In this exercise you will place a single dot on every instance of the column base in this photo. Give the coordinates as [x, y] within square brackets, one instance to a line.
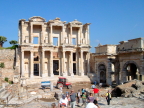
[71, 74]
[51, 75]
[81, 74]
[31, 76]
[64, 74]
[44, 75]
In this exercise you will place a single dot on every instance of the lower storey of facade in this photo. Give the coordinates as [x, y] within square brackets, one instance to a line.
[50, 63]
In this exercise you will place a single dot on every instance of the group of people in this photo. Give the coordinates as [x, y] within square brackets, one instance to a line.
[71, 99]
[89, 98]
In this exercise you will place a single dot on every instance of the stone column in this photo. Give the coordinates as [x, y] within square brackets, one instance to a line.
[51, 64]
[70, 39]
[51, 35]
[108, 72]
[31, 36]
[43, 65]
[77, 62]
[62, 36]
[22, 64]
[88, 40]
[42, 35]
[81, 65]
[71, 63]
[31, 64]
[81, 38]
[22, 30]
[88, 67]
[64, 66]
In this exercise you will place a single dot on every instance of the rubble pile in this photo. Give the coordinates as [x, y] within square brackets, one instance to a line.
[134, 88]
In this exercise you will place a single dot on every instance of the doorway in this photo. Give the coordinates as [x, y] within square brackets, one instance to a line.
[36, 69]
[74, 68]
[56, 67]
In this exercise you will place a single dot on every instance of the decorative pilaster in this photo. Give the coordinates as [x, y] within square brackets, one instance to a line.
[31, 64]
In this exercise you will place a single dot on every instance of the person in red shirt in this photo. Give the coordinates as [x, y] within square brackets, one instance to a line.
[96, 91]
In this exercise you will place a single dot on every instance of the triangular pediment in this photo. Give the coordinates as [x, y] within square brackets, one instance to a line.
[37, 19]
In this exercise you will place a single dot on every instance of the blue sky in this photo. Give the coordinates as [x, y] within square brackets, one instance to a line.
[111, 21]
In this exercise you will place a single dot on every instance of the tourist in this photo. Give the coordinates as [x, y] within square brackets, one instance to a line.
[93, 104]
[91, 98]
[72, 99]
[93, 86]
[95, 82]
[83, 90]
[96, 91]
[63, 102]
[78, 97]
[108, 97]
[100, 85]
[68, 98]
[53, 105]
[84, 99]
[56, 96]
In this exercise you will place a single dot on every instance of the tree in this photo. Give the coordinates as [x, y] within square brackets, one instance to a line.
[13, 42]
[2, 40]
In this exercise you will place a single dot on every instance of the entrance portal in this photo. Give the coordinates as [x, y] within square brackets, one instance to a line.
[56, 67]
[102, 70]
[132, 71]
[36, 69]
[74, 68]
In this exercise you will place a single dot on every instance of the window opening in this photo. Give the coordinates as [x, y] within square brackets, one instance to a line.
[35, 40]
[55, 41]
[74, 41]
[74, 56]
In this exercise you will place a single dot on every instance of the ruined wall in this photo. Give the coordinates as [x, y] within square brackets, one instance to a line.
[7, 56]
[92, 63]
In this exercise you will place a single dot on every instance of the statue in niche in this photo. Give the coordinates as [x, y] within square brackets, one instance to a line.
[66, 40]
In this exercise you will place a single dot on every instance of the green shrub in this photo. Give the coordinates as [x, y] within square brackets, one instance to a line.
[10, 82]
[6, 79]
[2, 65]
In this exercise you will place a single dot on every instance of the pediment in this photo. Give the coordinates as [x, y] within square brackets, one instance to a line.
[75, 22]
[37, 19]
[57, 21]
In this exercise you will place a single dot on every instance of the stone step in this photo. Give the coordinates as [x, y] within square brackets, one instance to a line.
[5, 97]
[1, 90]
[3, 93]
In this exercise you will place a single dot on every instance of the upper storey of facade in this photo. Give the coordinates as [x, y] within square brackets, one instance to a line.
[133, 45]
[105, 50]
[37, 32]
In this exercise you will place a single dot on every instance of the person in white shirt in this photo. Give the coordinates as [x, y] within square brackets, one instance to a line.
[93, 104]
[63, 102]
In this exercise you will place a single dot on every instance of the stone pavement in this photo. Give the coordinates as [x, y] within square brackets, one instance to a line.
[115, 103]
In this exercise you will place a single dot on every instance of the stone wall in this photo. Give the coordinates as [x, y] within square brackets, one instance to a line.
[7, 56]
